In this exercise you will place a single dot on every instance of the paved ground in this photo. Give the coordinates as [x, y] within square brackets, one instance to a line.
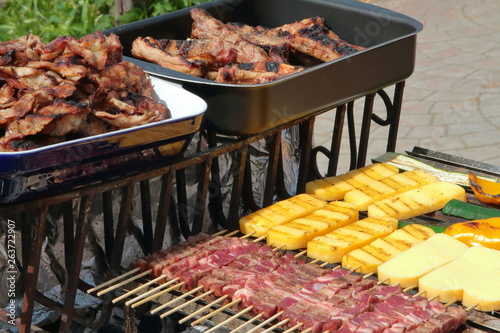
[452, 101]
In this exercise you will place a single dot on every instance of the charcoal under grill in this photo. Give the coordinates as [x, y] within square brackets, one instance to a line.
[158, 197]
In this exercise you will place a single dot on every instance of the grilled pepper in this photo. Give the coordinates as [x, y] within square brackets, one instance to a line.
[485, 190]
[484, 232]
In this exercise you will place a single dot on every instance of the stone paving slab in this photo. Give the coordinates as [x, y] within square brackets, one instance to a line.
[452, 100]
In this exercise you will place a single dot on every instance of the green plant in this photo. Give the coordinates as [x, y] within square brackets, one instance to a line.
[150, 8]
[52, 18]
[49, 19]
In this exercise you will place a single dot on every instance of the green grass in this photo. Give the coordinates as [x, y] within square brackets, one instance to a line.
[52, 18]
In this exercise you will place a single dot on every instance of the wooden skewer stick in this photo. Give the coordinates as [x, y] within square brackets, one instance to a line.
[410, 288]
[433, 298]
[472, 307]
[213, 313]
[135, 290]
[307, 330]
[218, 300]
[238, 329]
[247, 235]
[242, 312]
[291, 329]
[268, 320]
[163, 306]
[420, 293]
[278, 248]
[124, 282]
[450, 303]
[355, 269]
[324, 264]
[175, 286]
[279, 324]
[234, 232]
[177, 308]
[218, 233]
[151, 292]
[383, 281]
[314, 261]
[256, 240]
[300, 254]
[107, 283]
[366, 276]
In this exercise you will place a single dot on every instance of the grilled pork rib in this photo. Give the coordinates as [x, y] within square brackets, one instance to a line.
[206, 26]
[150, 49]
[252, 73]
[215, 48]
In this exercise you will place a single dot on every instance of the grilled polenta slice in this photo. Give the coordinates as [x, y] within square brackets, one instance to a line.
[295, 234]
[369, 257]
[446, 283]
[407, 267]
[260, 221]
[385, 187]
[334, 188]
[332, 246]
[418, 201]
[484, 293]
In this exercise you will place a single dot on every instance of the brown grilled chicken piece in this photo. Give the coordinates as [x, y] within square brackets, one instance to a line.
[67, 65]
[149, 49]
[49, 91]
[30, 101]
[66, 115]
[205, 26]
[7, 96]
[18, 52]
[252, 73]
[125, 76]
[134, 111]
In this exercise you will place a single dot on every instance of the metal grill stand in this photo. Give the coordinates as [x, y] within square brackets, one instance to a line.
[149, 209]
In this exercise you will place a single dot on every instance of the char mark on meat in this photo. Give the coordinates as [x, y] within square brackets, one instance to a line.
[205, 26]
[311, 36]
[213, 52]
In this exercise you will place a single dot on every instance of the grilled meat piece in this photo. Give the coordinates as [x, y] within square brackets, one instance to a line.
[70, 87]
[150, 49]
[18, 52]
[252, 73]
[214, 52]
[277, 47]
[205, 26]
[124, 76]
[135, 110]
[215, 48]
[7, 96]
[311, 36]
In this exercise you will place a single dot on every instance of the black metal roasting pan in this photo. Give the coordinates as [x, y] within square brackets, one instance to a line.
[389, 57]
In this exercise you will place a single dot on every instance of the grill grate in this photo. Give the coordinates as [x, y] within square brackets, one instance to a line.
[158, 197]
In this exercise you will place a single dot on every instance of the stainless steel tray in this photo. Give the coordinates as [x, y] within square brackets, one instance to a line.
[60, 166]
[389, 57]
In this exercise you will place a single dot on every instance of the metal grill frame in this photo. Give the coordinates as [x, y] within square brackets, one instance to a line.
[31, 216]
